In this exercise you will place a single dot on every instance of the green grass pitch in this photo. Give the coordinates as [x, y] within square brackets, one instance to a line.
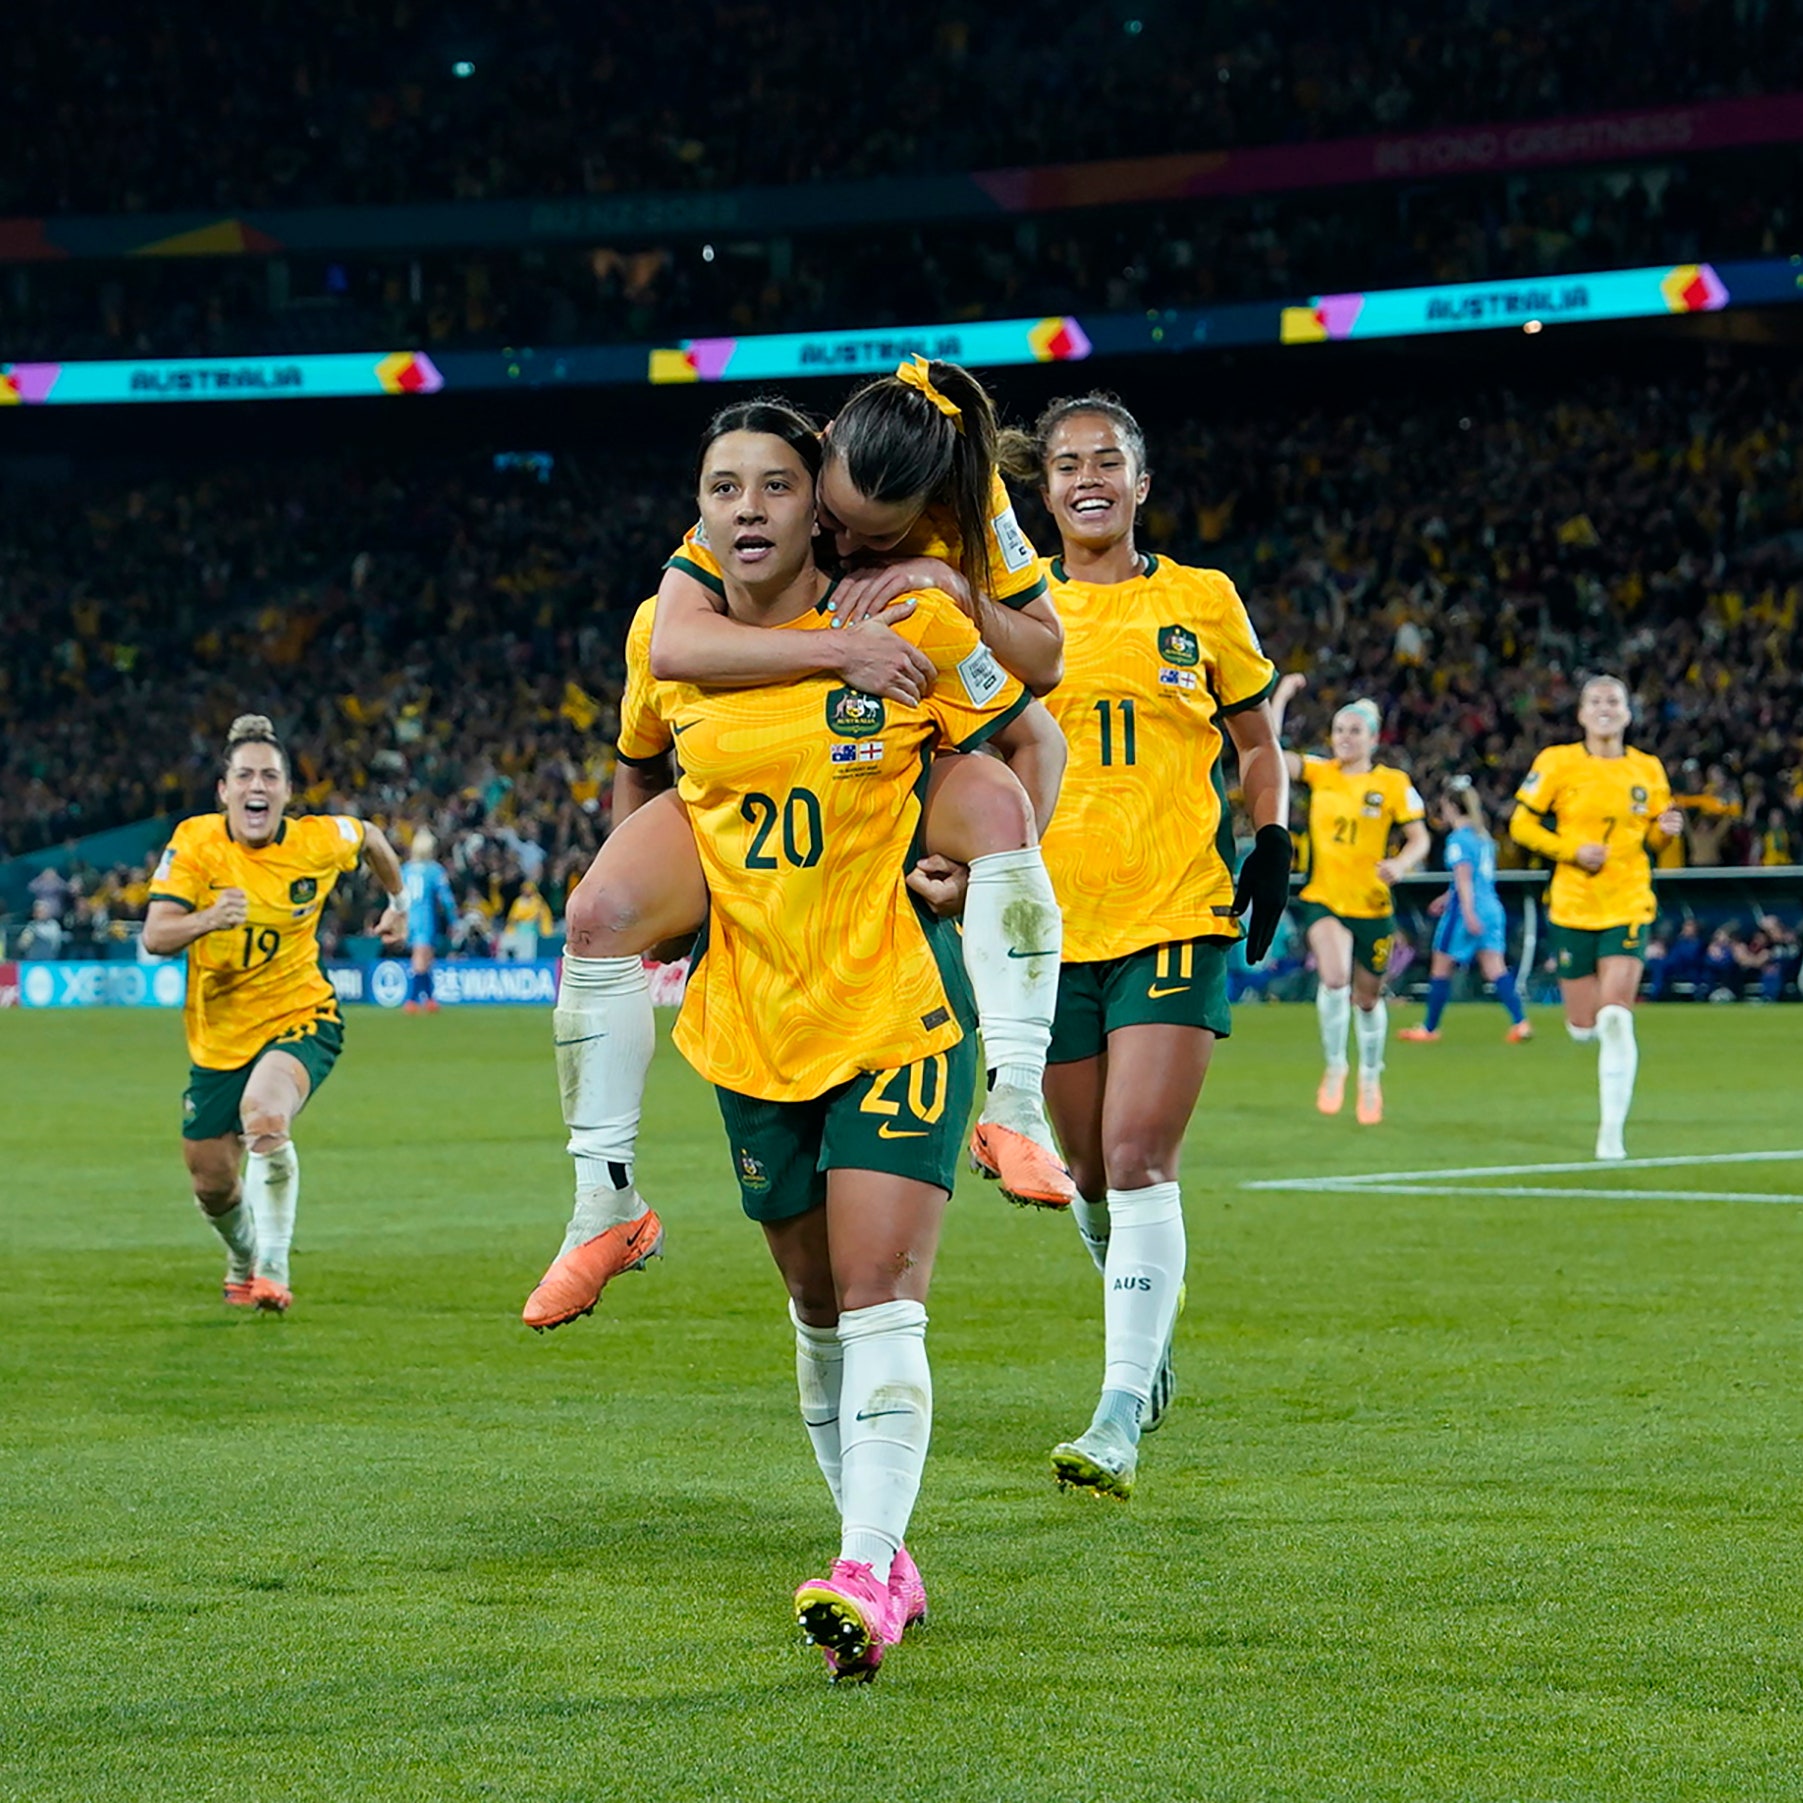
[1468, 1496]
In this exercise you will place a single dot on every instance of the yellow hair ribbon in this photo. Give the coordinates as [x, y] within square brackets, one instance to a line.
[916, 373]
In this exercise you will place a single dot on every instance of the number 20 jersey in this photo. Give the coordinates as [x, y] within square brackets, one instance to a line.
[805, 798]
[249, 984]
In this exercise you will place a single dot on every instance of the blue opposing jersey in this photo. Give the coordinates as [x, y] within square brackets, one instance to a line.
[1477, 852]
[429, 899]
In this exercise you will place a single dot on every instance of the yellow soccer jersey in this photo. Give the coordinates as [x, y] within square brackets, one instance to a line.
[805, 797]
[1349, 823]
[250, 984]
[1014, 573]
[1589, 800]
[1141, 848]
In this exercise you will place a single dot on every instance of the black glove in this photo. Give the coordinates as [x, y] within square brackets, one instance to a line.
[1264, 887]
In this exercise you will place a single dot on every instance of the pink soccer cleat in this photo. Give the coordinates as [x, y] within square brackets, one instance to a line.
[906, 1591]
[852, 1618]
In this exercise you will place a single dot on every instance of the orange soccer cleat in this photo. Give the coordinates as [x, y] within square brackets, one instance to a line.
[240, 1292]
[573, 1284]
[1371, 1102]
[1522, 1029]
[1012, 1143]
[1330, 1097]
[1421, 1035]
[272, 1297]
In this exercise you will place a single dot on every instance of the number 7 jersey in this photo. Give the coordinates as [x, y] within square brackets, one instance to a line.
[1141, 848]
[250, 984]
[805, 796]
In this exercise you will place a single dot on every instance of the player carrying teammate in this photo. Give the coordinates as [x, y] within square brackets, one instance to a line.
[1472, 924]
[826, 1003]
[1162, 667]
[1597, 808]
[242, 892]
[431, 908]
[910, 460]
[1354, 804]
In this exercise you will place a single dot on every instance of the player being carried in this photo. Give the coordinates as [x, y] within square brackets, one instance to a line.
[1598, 808]
[242, 892]
[908, 478]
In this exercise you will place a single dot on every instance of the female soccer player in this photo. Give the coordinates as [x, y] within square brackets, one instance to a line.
[825, 1003]
[1598, 808]
[1471, 917]
[910, 460]
[242, 892]
[1354, 804]
[431, 909]
[1162, 667]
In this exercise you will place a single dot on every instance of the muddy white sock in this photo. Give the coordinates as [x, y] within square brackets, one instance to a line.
[272, 1194]
[1013, 937]
[885, 1422]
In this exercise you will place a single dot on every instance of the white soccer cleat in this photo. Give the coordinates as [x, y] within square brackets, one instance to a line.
[1609, 1146]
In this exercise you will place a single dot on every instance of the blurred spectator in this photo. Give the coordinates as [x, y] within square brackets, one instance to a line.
[528, 920]
[42, 935]
[341, 102]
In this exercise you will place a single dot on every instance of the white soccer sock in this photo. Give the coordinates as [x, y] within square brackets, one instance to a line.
[1617, 1063]
[1332, 1009]
[819, 1370]
[605, 1035]
[885, 1421]
[272, 1194]
[1013, 937]
[1580, 1035]
[1146, 1254]
[238, 1228]
[1093, 1223]
[1371, 1026]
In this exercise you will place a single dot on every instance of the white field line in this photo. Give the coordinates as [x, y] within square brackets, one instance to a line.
[1475, 1193]
[1388, 1179]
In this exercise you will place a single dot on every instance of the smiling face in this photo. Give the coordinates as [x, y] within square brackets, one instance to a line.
[857, 523]
[757, 504]
[1352, 736]
[1603, 708]
[1093, 484]
[253, 792]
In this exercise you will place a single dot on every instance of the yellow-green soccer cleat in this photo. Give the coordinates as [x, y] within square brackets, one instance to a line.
[1101, 1461]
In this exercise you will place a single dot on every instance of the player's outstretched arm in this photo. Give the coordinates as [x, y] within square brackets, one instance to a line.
[1028, 642]
[384, 865]
[1286, 691]
[692, 642]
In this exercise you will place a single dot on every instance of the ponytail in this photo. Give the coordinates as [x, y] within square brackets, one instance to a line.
[926, 434]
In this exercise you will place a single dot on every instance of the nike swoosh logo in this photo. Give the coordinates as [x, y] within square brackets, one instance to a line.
[875, 1414]
[1159, 989]
[1047, 952]
[676, 732]
[885, 1131]
[582, 1041]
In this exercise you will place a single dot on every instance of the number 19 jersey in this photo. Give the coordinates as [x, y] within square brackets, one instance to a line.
[805, 796]
[249, 984]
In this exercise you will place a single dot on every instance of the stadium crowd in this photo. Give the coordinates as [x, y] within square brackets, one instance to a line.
[442, 646]
[350, 104]
[1110, 259]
